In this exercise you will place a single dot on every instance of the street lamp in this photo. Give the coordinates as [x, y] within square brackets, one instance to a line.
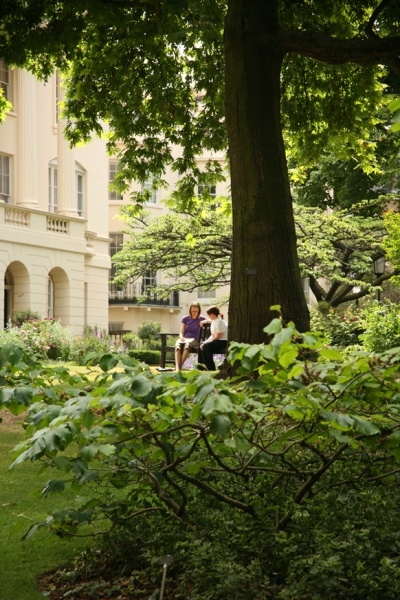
[379, 269]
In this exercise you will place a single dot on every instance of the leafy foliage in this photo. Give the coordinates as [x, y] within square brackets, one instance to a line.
[150, 357]
[338, 247]
[149, 333]
[261, 460]
[88, 344]
[342, 328]
[193, 91]
[381, 324]
[25, 315]
[46, 338]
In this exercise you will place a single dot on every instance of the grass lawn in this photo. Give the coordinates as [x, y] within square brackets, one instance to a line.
[22, 562]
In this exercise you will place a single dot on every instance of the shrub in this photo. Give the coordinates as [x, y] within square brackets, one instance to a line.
[150, 357]
[342, 327]
[281, 481]
[149, 333]
[20, 316]
[80, 347]
[47, 338]
[381, 322]
[132, 340]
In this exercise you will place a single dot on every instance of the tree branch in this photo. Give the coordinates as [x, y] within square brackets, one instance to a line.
[336, 51]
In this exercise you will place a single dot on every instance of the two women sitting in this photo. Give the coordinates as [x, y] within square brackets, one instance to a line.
[190, 336]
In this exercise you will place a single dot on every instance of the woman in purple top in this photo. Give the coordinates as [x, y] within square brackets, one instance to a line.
[189, 334]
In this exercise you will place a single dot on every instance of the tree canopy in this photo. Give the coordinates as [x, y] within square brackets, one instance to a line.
[272, 75]
[336, 249]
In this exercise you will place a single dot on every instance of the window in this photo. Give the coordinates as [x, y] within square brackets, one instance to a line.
[148, 186]
[79, 188]
[112, 171]
[5, 178]
[203, 294]
[52, 189]
[149, 280]
[115, 245]
[210, 189]
[115, 327]
[5, 79]
[79, 194]
[50, 298]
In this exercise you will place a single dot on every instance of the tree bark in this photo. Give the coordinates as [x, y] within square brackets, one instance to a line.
[265, 268]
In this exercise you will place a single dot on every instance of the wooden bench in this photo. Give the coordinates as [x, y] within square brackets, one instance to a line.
[168, 349]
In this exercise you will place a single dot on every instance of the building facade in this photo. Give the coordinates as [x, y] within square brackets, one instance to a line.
[54, 244]
[126, 313]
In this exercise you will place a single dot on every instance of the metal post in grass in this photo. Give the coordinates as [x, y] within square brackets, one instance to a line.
[166, 561]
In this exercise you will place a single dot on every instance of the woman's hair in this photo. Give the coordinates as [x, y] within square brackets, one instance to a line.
[214, 310]
[194, 305]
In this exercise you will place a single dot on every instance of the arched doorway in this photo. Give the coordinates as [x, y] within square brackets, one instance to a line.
[58, 296]
[16, 290]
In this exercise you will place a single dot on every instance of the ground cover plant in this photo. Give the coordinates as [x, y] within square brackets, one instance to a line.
[281, 480]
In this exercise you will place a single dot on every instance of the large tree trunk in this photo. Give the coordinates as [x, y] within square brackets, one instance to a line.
[265, 269]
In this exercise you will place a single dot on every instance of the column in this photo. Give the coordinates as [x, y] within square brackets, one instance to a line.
[66, 191]
[26, 160]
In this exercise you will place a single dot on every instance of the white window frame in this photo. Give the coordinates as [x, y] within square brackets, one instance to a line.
[5, 178]
[149, 280]
[80, 192]
[204, 294]
[212, 189]
[114, 246]
[113, 167]
[148, 186]
[79, 183]
[5, 79]
[53, 187]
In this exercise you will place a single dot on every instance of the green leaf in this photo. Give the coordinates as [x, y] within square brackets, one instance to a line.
[193, 468]
[294, 412]
[108, 362]
[88, 419]
[32, 530]
[62, 463]
[53, 486]
[394, 105]
[331, 354]
[106, 449]
[295, 371]
[396, 116]
[196, 413]
[274, 326]
[288, 357]
[88, 452]
[141, 386]
[220, 426]
[364, 426]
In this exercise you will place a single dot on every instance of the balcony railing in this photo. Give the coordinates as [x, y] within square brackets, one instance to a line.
[133, 292]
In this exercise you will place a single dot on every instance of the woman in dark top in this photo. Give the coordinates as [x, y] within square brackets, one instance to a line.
[189, 334]
[217, 341]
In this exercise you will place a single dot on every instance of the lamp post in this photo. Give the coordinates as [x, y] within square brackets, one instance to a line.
[379, 269]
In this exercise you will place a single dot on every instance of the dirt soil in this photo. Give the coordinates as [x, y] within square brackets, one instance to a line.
[10, 422]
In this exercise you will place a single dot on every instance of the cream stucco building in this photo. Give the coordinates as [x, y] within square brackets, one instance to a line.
[53, 211]
[59, 222]
[125, 312]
